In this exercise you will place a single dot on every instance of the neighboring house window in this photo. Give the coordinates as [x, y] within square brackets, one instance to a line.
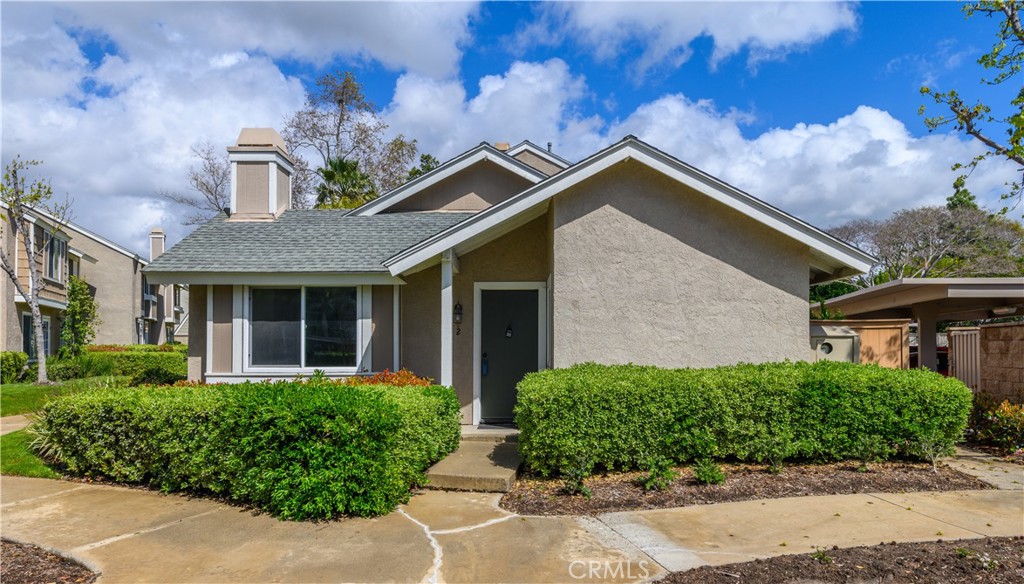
[28, 340]
[74, 269]
[280, 329]
[177, 295]
[28, 345]
[57, 252]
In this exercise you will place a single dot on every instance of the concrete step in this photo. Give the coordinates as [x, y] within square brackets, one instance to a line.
[484, 433]
[487, 466]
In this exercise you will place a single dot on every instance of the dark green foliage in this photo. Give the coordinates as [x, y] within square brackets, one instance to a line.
[12, 364]
[64, 369]
[80, 319]
[660, 474]
[870, 448]
[156, 376]
[574, 475]
[134, 362]
[998, 424]
[708, 472]
[619, 415]
[296, 450]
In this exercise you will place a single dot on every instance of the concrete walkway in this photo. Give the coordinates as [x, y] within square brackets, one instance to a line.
[487, 460]
[142, 536]
[10, 424]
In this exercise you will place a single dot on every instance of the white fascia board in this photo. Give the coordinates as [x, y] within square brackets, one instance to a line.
[527, 146]
[19, 299]
[450, 168]
[631, 149]
[277, 157]
[273, 279]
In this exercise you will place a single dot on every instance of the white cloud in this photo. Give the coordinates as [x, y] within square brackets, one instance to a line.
[864, 164]
[665, 31]
[115, 130]
[530, 101]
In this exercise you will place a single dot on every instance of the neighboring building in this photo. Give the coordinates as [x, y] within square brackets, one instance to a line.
[130, 310]
[499, 262]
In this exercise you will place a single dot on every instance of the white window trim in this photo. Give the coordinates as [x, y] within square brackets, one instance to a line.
[542, 329]
[241, 354]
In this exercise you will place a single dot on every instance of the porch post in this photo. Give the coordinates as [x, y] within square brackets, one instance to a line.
[927, 317]
[446, 317]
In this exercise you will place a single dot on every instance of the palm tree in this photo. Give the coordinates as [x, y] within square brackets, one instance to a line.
[344, 186]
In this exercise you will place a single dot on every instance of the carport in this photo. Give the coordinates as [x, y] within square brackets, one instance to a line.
[930, 301]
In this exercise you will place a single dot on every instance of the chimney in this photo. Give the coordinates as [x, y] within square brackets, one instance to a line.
[261, 171]
[157, 240]
[549, 146]
[503, 146]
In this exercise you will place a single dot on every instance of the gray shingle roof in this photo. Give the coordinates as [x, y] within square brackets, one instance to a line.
[316, 240]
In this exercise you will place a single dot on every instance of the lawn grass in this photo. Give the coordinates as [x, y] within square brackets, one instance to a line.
[23, 398]
[16, 458]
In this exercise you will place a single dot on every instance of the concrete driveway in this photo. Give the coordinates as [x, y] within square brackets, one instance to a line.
[133, 535]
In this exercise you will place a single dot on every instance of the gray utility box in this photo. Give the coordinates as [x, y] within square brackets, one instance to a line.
[834, 343]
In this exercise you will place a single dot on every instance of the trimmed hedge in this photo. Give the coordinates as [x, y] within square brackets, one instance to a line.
[12, 365]
[296, 450]
[164, 348]
[135, 362]
[615, 417]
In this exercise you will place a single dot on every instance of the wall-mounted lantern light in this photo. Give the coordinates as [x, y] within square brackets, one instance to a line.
[508, 331]
[457, 313]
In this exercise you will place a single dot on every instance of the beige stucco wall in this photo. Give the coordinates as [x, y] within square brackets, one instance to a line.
[648, 271]
[420, 317]
[519, 256]
[531, 159]
[476, 188]
[197, 333]
[10, 329]
[382, 340]
[222, 307]
[117, 279]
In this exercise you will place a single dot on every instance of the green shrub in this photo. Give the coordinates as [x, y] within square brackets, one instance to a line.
[156, 376]
[132, 363]
[660, 474]
[164, 348]
[298, 451]
[998, 423]
[620, 414]
[12, 363]
[707, 472]
[63, 369]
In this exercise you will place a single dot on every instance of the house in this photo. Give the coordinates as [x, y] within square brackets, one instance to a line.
[130, 309]
[499, 262]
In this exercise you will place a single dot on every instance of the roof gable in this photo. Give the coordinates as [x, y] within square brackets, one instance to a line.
[483, 152]
[830, 257]
[546, 155]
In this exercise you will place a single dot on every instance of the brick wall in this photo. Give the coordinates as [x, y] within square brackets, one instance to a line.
[1002, 361]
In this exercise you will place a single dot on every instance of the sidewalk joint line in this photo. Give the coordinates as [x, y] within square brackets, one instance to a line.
[879, 497]
[41, 497]
[643, 549]
[117, 538]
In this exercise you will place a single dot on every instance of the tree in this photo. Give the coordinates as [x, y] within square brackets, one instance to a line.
[80, 319]
[20, 200]
[427, 163]
[210, 181]
[344, 186]
[339, 123]
[932, 242]
[977, 120]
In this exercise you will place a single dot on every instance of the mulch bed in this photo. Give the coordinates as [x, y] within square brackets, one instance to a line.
[993, 560]
[28, 564]
[533, 495]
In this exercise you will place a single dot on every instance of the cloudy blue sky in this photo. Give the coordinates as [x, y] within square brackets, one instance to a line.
[811, 106]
